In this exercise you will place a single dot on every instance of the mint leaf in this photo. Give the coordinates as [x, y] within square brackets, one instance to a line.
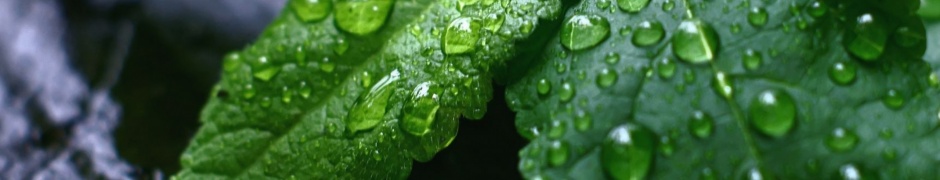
[690, 89]
[356, 89]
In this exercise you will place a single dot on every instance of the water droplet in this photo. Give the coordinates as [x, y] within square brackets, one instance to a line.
[889, 153]
[606, 77]
[773, 112]
[843, 73]
[735, 28]
[707, 174]
[327, 66]
[757, 174]
[666, 146]
[362, 17]
[666, 68]
[648, 33]
[603, 4]
[369, 109]
[933, 80]
[627, 152]
[757, 16]
[841, 140]
[850, 172]
[893, 99]
[566, 92]
[817, 9]
[494, 22]
[265, 102]
[461, 36]
[311, 10]
[668, 5]
[543, 86]
[267, 73]
[286, 95]
[526, 27]
[752, 59]
[632, 6]
[304, 90]
[231, 62]
[867, 39]
[612, 58]
[626, 30]
[695, 42]
[701, 124]
[723, 85]
[249, 91]
[421, 109]
[584, 31]
[583, 121]
[557, 153]
[689, 76]
[907, 37]
[557, 129]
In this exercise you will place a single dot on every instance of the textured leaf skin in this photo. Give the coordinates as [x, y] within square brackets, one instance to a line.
[795, 61]
[292, 124]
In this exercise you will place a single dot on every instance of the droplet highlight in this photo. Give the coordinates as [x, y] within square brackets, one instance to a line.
[843, 73]
[627, 152]
[362, 17]
[369, 109]
[648, 33]
[773, 113]
[695, 42]
[421, 109]
[461, 36]
[584, 31]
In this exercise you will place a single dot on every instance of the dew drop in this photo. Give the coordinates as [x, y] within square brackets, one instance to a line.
[850, 172]
[843, 73]
[867, 39]
[893, 99]
[889, 153]
[668, 5]
[701, 124]
[632, 6]
[757, 16]
[421, 109]
[583, 121]
[612, 58]
[933, 80]
[735, 28]
[461, 36]
[666, 146]
[695, 42]
[752, 59]
[543, 86]
[311, 10]
[248, 92]
[627, 152]
[362, 17]
[584, 31]
[557, 153]
[231, 62]
[286, 95]
[566, 92]
[557, 129]
[369, 109]
[723, 85]
[817, 9]
[327, 66]
[606, 77]
[666, 68]
[648, 33]
[773, 112]
[841, 140]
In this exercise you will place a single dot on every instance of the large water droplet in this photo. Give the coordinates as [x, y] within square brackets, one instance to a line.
[701, 124]
[757, 16]
[723, 85]
[752, 59]
[843, 73]
[666, 68]
[557, 153]
[773, 113]
[893, 99]
[566, 92]
[648, 33]
[584, 31]
[461, 36]
[543, 86]
[841, 140]
[632, 6]
[627, 152]
[421, 109]
[867, 39]
[362, 17]
[695, 42]
[606, 77]
[311, 10]
[369, 109]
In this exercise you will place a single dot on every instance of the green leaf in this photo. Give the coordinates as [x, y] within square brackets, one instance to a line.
[350, 89]
[817, 90]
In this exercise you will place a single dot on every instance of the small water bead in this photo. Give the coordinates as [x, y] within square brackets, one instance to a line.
[893, 99]
[421, 109]
[583, 121]
[723, 85]
[907, 37]
[735, 28]
[286, 95]
[248, 92]
[327, 66]
[773, 112]
[606, 77]
[668, 5]
[627, 152]
[543, 86]
[304, 90]
[801, 23]
[752, 59]
[843, 73]
[889, 153]
[557, 129]
[362, 17]
[841, 140]
[689, 76]
[701, 124]
[265, 102]
[311, 10]
[867, 38]
[584, 31]
[231, 62]
[626, 30]
[850, 172]
[603, 4]
[666, 146]
[648, 33]
[557, 153]
[695, 42]
[707, 174]
[666, 68]
[933, 80]
[817, 9]
[757, 16]
[369, 109]
[632, 6]
[494, 22]
[757, 174]
[461, 36]
[612, 58]
[566, 92]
